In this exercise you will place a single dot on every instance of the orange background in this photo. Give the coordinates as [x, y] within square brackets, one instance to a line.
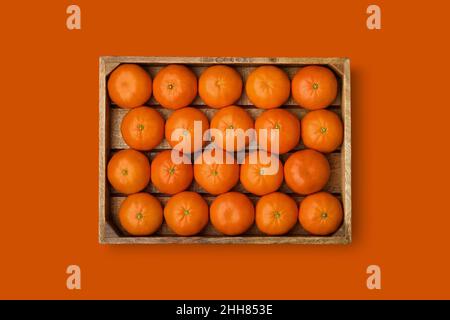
[49, 158]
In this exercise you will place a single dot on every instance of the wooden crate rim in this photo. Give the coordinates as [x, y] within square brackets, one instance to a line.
[339, 64]
[224, 59]
[112, 62]
[268, 240]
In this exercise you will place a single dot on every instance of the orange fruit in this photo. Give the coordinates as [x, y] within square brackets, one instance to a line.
[322, 130]
[287, 124]
[231, 123]
[186, 213]
[268, 87]
[140, 214]
[232, 213]
[276, 213]
[142, 128]
[314, 87]
[220, 86]
[129, 86]
[183, 120]
[321, 214]
[261, 178]
[169, 177]
[216, 176]
[129, 171]
[175, 86]
[306, 171]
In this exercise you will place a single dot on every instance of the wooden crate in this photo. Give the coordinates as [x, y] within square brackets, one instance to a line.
[110, 141]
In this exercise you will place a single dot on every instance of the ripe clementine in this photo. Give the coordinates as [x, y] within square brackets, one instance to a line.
[259, 177]
[140, 214]
[186, 138]
[186, 213]
[287, 124]
[142, 128]
[220, 86]
[314, 87]
[320, 213]
[232, 213]
[231, 124]
[175, 86]
[276, 213]
[169, 177]
[129, 171]
[129, 86]
[268, 87]
[216, 176]
[322, 130]
[306, 171]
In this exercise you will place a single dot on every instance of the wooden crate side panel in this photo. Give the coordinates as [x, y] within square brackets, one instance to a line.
[113, 61]
[347, 151]
[226, 240]
[102, 152]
